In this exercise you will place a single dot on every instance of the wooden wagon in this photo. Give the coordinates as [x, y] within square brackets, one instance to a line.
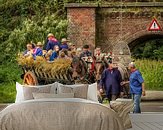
[39, 71]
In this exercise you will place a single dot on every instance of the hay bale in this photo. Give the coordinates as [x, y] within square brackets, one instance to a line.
[53, 69]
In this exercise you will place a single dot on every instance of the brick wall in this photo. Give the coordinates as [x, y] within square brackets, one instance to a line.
[101, 26]
[134, 24]
[113, 28]
[81, 28]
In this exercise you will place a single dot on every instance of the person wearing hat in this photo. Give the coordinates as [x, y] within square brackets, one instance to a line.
[111, 81]
[51, 42]
[38, 50]
[64, 44]
[72, 46]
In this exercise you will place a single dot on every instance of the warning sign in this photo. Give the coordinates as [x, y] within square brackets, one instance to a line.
[154, 26]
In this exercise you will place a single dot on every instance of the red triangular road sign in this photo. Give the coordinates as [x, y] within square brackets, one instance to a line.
[154, 26]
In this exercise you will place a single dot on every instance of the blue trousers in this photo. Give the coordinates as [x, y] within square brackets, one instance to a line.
[137, 99]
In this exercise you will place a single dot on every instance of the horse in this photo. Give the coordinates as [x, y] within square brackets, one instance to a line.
[90, 62]
[125, 77]
[100, 66]
[79, 70]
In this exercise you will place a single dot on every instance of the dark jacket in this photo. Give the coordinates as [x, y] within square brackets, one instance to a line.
[38, 52]
[53, 56]
[85, 54]
[111, 81]
[64, 46]
[51, 43]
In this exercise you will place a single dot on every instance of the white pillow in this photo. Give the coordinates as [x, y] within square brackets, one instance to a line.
[71, 86]
[80, 91]
[92, 92]
[49, 95]
[20, 90]
[19, 94]
[53, 88]
[58, 84]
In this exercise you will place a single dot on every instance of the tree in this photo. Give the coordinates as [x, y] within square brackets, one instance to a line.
[151, 49]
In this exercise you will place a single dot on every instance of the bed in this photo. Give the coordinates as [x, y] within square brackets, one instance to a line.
[61, 113]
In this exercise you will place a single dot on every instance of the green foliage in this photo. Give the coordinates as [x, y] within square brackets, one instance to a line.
[152, 49]
[159, 53]
[9, 74]
[35, 31]
[7, 92]
[152, 72]
[23, 21]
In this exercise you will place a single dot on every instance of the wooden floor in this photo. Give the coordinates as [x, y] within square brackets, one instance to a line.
[147, 121]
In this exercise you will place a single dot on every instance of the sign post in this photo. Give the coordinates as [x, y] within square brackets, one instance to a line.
[154, 26]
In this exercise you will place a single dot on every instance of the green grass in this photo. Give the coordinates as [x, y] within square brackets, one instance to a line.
[7, 92]
[152, 72]
[9, 74]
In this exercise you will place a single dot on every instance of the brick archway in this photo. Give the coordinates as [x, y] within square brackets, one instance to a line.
[113, 27]
[122, 48]
[141, 35]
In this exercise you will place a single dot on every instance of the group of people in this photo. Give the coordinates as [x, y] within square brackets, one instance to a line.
[111, 79]
[54, 49]
[51, 50]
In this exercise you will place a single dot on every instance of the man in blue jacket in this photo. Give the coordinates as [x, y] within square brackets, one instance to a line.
[38, 49]
[111, 80]
[64, 44]
[52, 41]
[137, 88]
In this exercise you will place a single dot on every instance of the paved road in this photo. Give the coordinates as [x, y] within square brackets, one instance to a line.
[145, 106]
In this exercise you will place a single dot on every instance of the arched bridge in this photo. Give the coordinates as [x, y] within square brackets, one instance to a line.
[115, 26]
